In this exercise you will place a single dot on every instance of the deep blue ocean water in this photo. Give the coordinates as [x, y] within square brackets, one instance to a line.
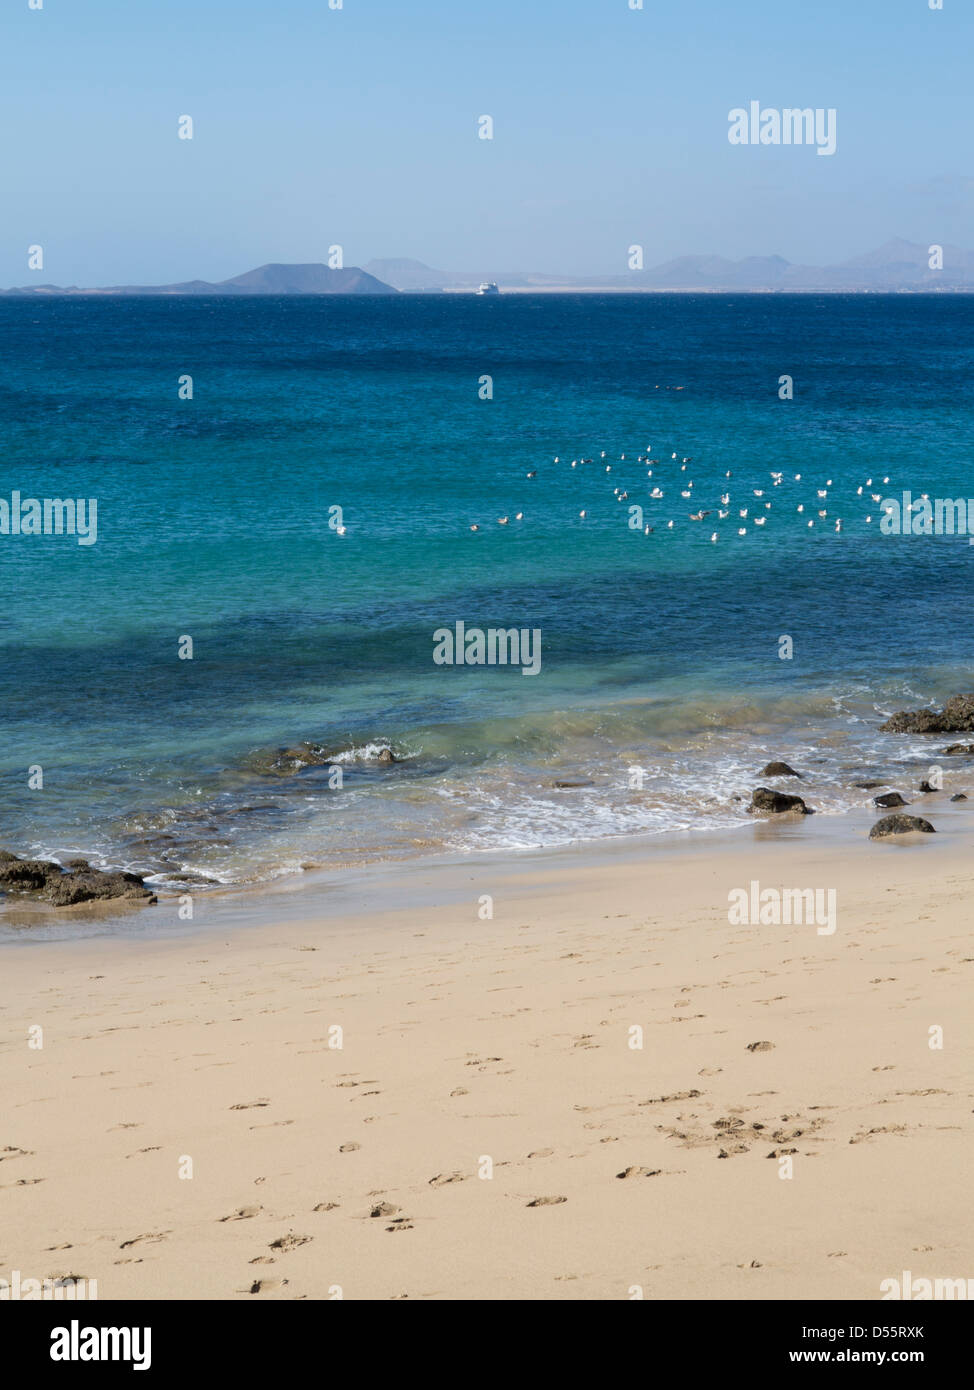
[659, 651]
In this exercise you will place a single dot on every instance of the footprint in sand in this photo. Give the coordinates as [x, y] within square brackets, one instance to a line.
[266, 1285]
[442, 1179]
[760, 1047]
[546, 1201]
[325, 1206]
[865, 1134]
[676, 1095]
[401, 1223]
[541, 1153]
[249, 1104]
[11, 1151]
[289, 1242]
[638, 1172]
[349, 1148]
[152, 1238]
[242, 1214]
[383, 1209]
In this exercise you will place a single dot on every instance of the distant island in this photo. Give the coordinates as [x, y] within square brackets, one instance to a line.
[266, 279]
[897, 267]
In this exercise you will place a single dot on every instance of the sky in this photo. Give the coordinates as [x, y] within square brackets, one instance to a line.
[358, 127]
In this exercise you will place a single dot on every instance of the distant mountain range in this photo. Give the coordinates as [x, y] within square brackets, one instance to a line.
[266, 279]
[899, 265]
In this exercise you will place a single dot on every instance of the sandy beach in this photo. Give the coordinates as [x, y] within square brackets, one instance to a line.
[490, 1126]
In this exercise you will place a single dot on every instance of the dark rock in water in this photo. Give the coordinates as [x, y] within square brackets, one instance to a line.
[921, 721]
[95, 886]
[779, 770]
[958, 796]
[26, 875]
[867, 786]
[573, 784]
[964, 748]
[288, 762]
[959, 712]
[899, 825]
[957, 716]
[81, 864]
[48, 883]
[270, 763]
[925, 786]
[310, 754]
[764, 799]
[189, 878]
[890, 799]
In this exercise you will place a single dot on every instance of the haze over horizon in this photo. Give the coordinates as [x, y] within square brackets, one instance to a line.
[610, 130]
[895, 266]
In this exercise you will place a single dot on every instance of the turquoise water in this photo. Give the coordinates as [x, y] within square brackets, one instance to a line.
[659, 651]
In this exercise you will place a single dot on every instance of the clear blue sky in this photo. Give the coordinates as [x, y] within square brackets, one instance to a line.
[358, 126]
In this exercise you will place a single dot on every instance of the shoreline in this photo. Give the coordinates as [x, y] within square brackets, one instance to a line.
[697, 787]
[371, 887]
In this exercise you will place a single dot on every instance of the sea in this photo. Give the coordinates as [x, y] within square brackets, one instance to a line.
[293, 484]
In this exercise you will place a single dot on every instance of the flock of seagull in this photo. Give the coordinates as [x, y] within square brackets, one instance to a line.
[755, 512]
